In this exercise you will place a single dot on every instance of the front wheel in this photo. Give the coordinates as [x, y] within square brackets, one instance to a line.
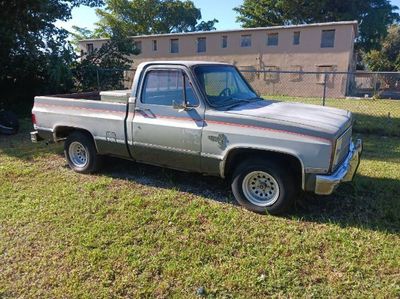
[264, 186]
[81, 154]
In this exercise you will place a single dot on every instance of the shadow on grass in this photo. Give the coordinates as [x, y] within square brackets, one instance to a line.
[367, 203]
[213, 188]
[378, 125]
[21, 147]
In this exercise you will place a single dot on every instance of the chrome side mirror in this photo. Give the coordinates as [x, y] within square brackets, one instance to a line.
[181, 106]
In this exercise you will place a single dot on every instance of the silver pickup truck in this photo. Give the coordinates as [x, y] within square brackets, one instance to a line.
[204, 117]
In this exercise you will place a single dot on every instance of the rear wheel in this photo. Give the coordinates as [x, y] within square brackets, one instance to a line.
[81, 154]
[264, 186]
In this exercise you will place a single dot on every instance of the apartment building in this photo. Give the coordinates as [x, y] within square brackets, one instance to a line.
[321, 47]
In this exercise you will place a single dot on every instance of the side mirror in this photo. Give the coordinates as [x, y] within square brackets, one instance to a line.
[181, 106]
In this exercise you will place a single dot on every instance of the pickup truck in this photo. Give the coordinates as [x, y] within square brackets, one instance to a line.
[205, 117]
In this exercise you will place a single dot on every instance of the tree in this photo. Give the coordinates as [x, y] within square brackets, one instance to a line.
[104, 67]
[80, 33]
[374, 16]
[137, 17]
[388, 57]
[34, 53]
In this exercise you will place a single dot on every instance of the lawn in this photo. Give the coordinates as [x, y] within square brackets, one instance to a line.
[141, 231]
[377, 116]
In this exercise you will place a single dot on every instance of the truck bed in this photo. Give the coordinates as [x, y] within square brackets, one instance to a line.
[91, 95]
[105, 120]
[119, 96]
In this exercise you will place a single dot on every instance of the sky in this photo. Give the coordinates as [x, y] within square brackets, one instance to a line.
[219, 9]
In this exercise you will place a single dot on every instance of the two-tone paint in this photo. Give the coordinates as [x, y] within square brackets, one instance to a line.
[199, 139]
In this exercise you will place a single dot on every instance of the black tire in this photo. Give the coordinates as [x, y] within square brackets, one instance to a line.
[9, 124]
[283, 197]
[84, 145]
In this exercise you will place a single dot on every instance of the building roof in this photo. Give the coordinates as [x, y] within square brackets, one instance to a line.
[353, 23]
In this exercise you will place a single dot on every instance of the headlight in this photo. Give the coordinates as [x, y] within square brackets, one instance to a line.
[341, 147]
[336, 153]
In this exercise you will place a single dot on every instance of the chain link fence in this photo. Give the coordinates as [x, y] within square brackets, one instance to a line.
[374, 98]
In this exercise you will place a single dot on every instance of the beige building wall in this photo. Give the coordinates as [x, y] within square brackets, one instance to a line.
[307, 56]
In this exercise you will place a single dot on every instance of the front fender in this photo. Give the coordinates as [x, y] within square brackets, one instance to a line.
[230, 150]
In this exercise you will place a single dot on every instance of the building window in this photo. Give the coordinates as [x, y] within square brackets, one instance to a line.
[89, 48]
[328, 39]
[273, 39]
[271, 73]
[201, 45]
[138, 45]
[249, 72]
[296, 38]
[174, 45]
[245, 41]
[297, 73]
[154, 45]
[224, 42]
[324, 70]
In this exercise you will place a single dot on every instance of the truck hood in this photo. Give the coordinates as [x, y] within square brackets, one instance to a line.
[327, 120]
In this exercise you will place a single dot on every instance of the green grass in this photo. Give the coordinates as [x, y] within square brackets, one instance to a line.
[141, 231]
[376, 116]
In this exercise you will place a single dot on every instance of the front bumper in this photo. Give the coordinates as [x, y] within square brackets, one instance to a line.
[326, 184]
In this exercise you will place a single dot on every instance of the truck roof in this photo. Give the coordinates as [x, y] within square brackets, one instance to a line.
[187, 63]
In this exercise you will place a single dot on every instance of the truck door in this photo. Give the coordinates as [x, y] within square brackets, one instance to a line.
[163, 134]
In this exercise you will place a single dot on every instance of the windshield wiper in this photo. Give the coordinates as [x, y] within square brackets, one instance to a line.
[233, 102]
[238, 102]
[256, 99]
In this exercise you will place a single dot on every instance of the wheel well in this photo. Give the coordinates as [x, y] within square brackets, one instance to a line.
[63, 132]
[238, 155]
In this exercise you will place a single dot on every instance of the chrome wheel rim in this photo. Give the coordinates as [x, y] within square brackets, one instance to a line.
[78, 154]
[260, 188]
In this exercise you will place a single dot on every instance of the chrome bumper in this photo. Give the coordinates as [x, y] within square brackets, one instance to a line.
[326, 184]
[35, 137]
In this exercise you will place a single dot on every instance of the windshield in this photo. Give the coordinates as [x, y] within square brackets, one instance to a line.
[224, 86]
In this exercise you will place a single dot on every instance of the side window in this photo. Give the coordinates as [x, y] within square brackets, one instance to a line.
[162, 87]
